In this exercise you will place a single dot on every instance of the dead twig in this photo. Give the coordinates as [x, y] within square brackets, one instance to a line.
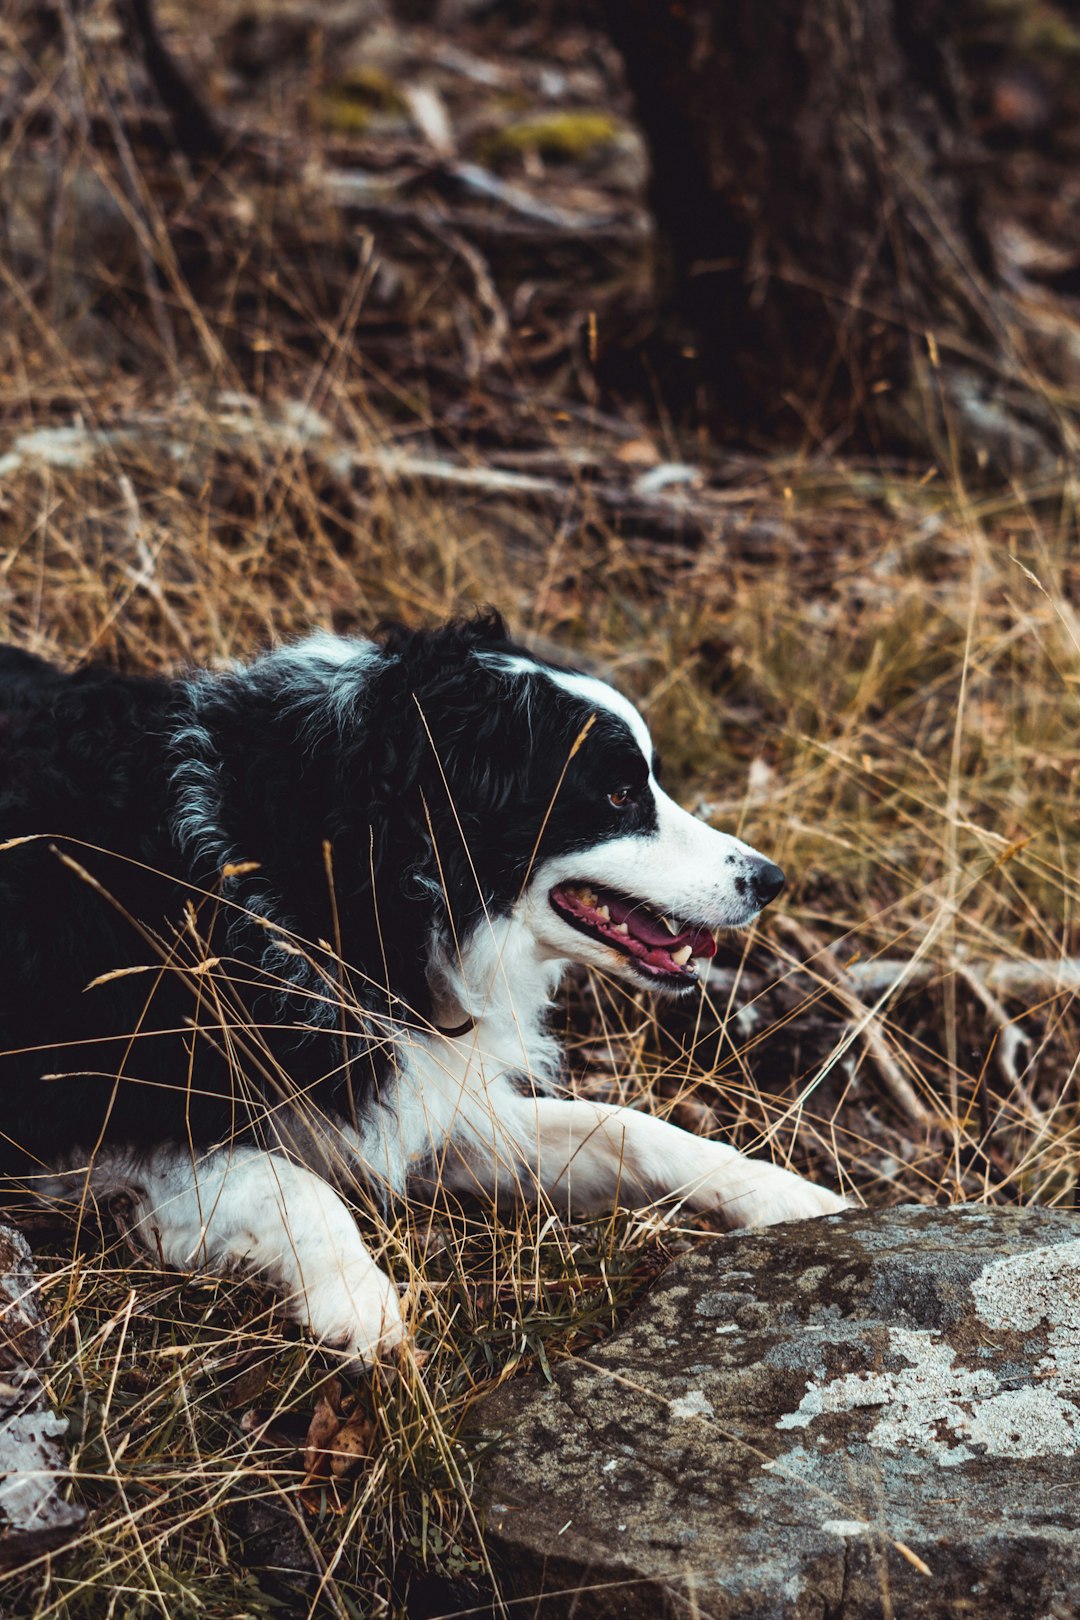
[1048, 976]
[675, 511]
[494, 344]
[197, 131]
[670, 509]
[987, 981]
[1011, 1043]
[473, 177]
[539, 227]
[822, 963]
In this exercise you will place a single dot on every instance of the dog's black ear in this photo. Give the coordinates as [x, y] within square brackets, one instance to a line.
[484, 628]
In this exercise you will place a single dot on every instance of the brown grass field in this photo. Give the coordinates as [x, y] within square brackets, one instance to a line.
[869, 669]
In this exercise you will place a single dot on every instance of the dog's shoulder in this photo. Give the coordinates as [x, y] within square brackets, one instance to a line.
[76, 745]
[23, 675]
[30, 684]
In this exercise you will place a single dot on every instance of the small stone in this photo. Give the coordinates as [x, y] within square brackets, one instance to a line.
[34, 1517]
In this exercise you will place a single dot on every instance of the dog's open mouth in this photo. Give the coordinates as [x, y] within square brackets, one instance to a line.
[661, 946]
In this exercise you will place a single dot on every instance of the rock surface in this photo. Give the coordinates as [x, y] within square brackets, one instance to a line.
[867, 1415]
[34, 1516]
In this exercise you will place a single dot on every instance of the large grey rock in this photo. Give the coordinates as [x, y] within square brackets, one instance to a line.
[868, 1415]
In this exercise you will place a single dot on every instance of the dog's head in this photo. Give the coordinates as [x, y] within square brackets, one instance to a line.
[456, 782]
[540, 800]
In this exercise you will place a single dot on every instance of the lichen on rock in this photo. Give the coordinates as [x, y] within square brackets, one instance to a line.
[800, 1420]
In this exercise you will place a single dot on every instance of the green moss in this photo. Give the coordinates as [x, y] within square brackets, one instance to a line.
[1038, 28]
[348, 105]
[564, 137]
[1045, 31]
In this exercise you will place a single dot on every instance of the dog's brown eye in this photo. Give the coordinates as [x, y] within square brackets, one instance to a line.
[621, 797]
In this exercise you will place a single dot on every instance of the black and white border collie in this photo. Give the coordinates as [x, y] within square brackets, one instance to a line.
[278, 932]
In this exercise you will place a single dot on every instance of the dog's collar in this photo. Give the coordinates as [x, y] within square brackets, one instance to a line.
[459, 1029]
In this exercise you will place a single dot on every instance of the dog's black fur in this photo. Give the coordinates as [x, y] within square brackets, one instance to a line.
[395, 809]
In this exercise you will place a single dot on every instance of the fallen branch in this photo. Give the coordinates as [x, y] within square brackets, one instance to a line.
[1011, 1041]
[1051, 976]
[671, 500]
[824, 964]
[539, 226]
[670, 509]
[857, 982]
[495, 343]
[519, 201]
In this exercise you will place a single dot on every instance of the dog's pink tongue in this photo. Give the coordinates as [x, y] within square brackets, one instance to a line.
[651, 931]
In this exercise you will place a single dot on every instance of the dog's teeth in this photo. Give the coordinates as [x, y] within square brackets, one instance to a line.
[620, 928]
[603, 913]
[669, 925]
[682, 956]
[588, 897]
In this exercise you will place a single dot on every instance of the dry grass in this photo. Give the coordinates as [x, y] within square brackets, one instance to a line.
[872, 674]
[901, 735]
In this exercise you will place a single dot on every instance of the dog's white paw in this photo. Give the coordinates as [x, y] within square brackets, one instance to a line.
[355, 1308]
[764, 1195]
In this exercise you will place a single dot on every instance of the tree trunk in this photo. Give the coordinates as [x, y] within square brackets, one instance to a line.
[821, 253]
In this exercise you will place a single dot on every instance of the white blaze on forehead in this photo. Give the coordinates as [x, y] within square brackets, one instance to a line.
[599, 695]
[595, 693]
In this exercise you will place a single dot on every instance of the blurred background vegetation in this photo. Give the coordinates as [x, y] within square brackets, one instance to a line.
[731, 351]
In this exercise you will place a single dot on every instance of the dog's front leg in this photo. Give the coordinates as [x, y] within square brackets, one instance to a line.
[587, 1156]
[244, 1209]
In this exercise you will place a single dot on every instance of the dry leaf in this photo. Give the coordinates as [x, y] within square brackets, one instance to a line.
[352, 1444]
[638, 453]
[338, 1437]
[322, 1430]
[286, 1431]
[249, 1383]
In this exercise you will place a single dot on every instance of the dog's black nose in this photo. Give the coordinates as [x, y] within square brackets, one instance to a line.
[768, 880]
